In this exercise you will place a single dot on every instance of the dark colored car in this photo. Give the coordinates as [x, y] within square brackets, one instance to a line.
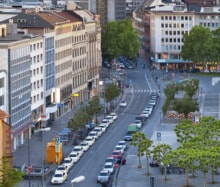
[154, 164]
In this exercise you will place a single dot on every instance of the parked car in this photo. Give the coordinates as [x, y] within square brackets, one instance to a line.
[108, 166]
[99, 130]
[84, 145]
[117, 155]
[114, 115]
[109, 118]
[103, 177]
[68, 162]
[58, 177]
[103, 126]
[62, 168]
[123, 143]
[145, 114]
[94, 134]
[106, 121]
[123, 104]
[112, 160]
[138, 123]
[90, 140]
[79, 150]
[75, 156]
[119, 148]
[154, 164]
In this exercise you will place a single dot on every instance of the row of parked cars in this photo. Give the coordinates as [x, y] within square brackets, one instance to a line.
[112, 163]
[61, 172]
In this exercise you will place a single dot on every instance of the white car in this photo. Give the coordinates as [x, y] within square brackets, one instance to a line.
[58, 177]
[90, 140]
[109, 118]
[62, 168]
[84, 145]
[109, 167]
[68, 162]
[103, 126]
[122, 143]
[152, 102]
[75, 156]
[93, 134]
[106, 122]
[138, 123]
[123, 104]
[119, 148]
[99, 130]
[145, 114]
[79, 150]
[114, 115]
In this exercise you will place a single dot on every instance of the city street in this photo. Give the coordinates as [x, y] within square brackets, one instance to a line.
[137, 96]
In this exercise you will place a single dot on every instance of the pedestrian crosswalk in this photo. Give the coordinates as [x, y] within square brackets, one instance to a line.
[141, 91]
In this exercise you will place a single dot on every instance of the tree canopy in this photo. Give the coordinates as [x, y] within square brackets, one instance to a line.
[120, 38]
[198, 45]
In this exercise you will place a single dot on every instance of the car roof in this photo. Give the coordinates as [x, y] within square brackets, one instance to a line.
[108, 163]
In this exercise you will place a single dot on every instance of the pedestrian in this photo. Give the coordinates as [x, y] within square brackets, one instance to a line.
[123, 161]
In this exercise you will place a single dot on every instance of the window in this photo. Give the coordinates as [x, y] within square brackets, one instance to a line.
[1, 82]
[162, 18]
[1, 100]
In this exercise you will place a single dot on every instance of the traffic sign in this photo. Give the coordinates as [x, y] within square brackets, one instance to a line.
[158, 136]
[57, 140]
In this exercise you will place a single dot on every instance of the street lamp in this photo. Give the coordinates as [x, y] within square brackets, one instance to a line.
[77, 179]
[42, 155]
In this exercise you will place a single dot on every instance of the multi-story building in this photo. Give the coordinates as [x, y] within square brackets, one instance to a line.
[61, 55]
[116, 10]
[101, 9]
[16, 62]
[164, 26]
[202, 3]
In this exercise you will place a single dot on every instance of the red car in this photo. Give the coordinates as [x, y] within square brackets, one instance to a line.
[117, 155]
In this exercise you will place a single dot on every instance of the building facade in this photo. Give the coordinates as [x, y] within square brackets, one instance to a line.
[50, 67]
[164, 26]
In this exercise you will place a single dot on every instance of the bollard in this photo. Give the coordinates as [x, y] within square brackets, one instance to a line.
[151, 181]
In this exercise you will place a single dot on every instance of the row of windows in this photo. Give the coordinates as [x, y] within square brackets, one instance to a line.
[80, 38]
[214, 25]
[49, 43]
[50, 83]
[50, 69]
[63, 42]
[20, 102]
[20, 52]
[208, 17]
[20, 118]
[63, 66]
[20, 67]
[170, 47]
[19, 92]
[63, 54]
[63, 78]
[79, 79]
[36, 46]
[178, 18]
[178, 33]
[37, 84]
[79, 51]
[171, 40]
[37, 71]
[77, 65]
[176, 25]
[37, 58]
[37, 98]
[20, 83]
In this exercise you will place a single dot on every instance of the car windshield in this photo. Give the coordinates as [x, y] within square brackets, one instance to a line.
[67, 161]
[103, 174]
[58, 175]
[115, 153]
[108, 166]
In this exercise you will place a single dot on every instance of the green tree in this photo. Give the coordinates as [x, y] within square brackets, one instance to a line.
[170, 91]
[120, 38]
[145, 145]
[111, 91]
[8, 175]
[185, 105]
[94, 105]
[137, 138]
[190, 87]
[160, 154]
[197, 45]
